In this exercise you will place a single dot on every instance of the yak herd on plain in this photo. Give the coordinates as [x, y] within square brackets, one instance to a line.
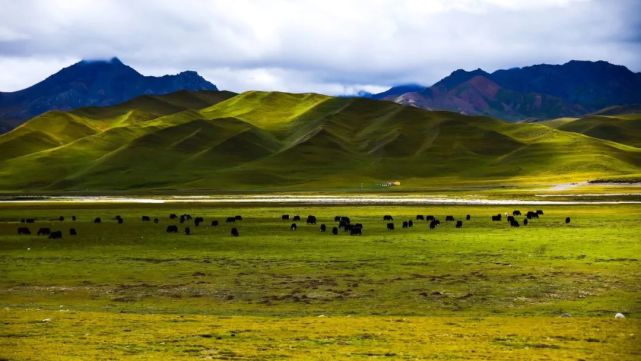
[343, 223]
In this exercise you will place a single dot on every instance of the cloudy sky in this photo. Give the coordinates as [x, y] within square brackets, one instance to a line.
[333, 47]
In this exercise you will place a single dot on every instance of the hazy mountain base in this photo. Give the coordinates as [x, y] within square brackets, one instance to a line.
[279, 141]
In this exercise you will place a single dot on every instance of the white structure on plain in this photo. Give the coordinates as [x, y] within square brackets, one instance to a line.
[619, 316]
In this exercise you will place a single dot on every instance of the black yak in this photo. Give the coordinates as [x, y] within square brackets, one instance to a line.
[146, 219]
[23, 230]
[311, 219]
[387, 217]
[72, 232]
[459, 224]
[198, 221]
[234, 232]
[293, 227]
[390, 226]
[449, 218]
[496, 218]
[323, 228]
[214, 223]
[230, 220]
[420, 217]
[296, 219]
[468, 217]
[567, 220]
[172, 229]
[97, 220]
[284, 217]
[44, 231]
[335, 230]
[55, 235]
[187, 231]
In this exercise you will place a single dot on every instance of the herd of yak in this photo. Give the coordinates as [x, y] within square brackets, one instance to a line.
[342, 223]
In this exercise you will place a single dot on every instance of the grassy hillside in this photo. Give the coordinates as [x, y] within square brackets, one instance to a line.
[271, 141]
[621, 128]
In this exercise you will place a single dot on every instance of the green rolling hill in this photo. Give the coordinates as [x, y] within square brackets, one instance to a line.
[220, 141]
[622, 128]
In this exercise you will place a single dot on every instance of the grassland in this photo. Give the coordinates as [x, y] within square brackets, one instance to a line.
[486, 291]
[271, 141]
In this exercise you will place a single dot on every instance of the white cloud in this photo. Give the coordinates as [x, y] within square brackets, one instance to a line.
[307, 45]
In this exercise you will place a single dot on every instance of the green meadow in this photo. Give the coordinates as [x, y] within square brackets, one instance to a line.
[548, 290]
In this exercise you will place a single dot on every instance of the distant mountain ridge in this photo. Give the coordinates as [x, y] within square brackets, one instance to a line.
[90, 83]
[534, 92]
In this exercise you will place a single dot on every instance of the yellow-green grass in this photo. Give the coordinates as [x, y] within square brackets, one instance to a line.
[265, 141]
[70, 335]
[621, 128]
[485, 291]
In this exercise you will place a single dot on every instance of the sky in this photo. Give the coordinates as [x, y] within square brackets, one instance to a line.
[325, 46]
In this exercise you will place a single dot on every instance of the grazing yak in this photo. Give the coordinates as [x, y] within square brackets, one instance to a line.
[459, 224]
[23, 230]
[146, 219]
[120, 220]
[420, 217]
[230, 220]
[449, 218]
[97, 220]
[337, 218]
[388, 217]
[73, 218]
[510, 219]
[172, 229]
[296, 219]
[234, 232]
[516, 212]
[468, 217]
[173, 216]
[323, 227]
[187, 231]
[285, 217]
[44, 231]
[293, 227]
[514, 222]
[567, 220]
[214, 223]
[496, 218]
[434, 223]
[405, 224]
[335, 230]
[72, 232]
[531, 215]
[198, 221]
[525, 222]
[430, 218]
[390, 226]
[55, 235]
[311, 219]
[539, 212]
[238, 217]
[61, 218]
[356, 231]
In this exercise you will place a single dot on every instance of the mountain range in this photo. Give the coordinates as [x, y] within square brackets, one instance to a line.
[90, 83]
[533, 92]
[223, 142]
